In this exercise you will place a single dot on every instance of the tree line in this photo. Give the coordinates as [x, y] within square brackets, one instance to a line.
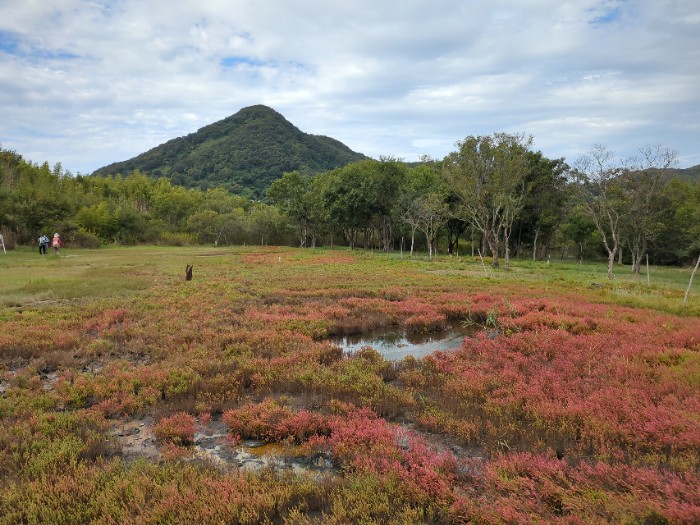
[493, 197]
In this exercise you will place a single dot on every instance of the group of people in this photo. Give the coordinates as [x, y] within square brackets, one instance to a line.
[55, 243]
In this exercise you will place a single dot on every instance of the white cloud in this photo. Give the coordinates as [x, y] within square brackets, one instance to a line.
[90, 82]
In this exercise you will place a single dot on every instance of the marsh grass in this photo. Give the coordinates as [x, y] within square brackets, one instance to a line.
[663, 292]
[96, 336]
[30, 280]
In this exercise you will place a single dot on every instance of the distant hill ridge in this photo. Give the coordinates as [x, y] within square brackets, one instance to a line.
[691, 174]
[245, 153]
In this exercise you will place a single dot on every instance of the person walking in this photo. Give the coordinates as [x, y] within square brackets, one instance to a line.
[56, 243]
[43, 244]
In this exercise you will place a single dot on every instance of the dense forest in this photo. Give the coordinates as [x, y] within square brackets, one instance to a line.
[493, 197]
[242, 153]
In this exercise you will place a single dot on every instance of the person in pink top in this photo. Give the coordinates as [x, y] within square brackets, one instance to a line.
[56, 243]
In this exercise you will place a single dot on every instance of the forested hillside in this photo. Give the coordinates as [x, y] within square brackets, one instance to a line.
[243, 153]
[494, 197]
[691, 174]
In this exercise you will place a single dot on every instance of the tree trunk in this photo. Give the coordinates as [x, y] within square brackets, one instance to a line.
[690, 283]
[494, 245]
[303, 235]
[611, 263]
[611, 248]
[506, 247]
[386, 234]
[351, 236]
[534, 245]
[640, 250]
[455, 228]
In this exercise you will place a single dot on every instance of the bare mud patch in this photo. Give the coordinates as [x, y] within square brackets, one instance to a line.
[212, 444]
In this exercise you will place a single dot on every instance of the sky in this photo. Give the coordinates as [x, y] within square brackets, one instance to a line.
[91, 82]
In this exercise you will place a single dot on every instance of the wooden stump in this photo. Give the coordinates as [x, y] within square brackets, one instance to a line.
[188, 272]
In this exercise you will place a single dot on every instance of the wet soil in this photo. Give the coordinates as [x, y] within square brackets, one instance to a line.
[212, 444]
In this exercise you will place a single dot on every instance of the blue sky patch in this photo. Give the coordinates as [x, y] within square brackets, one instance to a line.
[608, 12]
[8, 43]
[613, 15]
[53, 55]
[11, 44]
[245, 61]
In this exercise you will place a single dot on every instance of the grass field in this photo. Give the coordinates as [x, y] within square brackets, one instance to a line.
[577, 402]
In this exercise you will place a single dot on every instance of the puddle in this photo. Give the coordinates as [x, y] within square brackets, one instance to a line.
[211, 443]
[137, 439]
[5, 379]
[396, 344]
[48, 381]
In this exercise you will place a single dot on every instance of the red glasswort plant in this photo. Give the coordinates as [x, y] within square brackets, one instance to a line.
[177, 429]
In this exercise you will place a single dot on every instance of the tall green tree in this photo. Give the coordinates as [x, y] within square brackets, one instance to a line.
[422, 204]
[546, 202]
[387, 178]
[173, 204]
[677, 239]
[360, 198]
[578, 229]
[604, 196]
[291, 194]
[138, 190]
[644, 183]
[488, 174]
[266, 225]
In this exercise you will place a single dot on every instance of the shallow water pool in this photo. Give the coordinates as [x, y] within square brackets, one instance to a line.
[395, 344]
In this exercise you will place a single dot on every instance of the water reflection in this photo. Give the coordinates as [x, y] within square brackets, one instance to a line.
[395, 344]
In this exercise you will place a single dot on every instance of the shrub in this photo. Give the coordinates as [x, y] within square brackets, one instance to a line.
[177, 429]
[84, 239]
[271, 422]
[177, 239]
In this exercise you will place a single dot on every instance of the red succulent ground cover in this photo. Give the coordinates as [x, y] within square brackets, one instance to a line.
[177, 429]
[581, 412]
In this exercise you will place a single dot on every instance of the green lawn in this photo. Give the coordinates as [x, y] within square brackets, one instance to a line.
[29, 279]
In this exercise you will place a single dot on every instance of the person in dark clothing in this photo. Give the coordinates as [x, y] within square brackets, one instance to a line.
[43, 244]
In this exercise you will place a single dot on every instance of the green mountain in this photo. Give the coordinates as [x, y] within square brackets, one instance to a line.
[244, 153]
[691, 174]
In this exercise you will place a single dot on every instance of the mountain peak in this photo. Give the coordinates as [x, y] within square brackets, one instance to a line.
[244, 153]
